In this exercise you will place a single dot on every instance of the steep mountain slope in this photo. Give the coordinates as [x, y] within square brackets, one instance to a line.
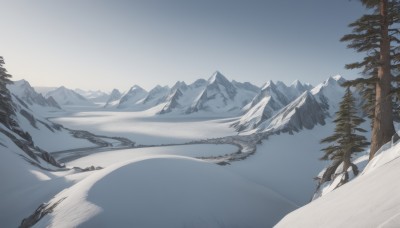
[264, 105]
[68, 97]
[181, 96]
[172, 101]
[329, 93]
[221, 96]
[114, 98]
[304, 112]
[370, 200]
[24, 183]
[132, 98]
[274, 109]
[24, 91]
[45, 134]
[155, 96]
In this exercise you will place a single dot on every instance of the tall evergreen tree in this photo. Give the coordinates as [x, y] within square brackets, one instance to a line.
[345, 141]
[376, 34]
[6, 108]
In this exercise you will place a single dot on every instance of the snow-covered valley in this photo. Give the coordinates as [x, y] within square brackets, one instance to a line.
[238, 165]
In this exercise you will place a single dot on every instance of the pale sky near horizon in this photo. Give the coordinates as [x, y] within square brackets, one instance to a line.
[99, 44]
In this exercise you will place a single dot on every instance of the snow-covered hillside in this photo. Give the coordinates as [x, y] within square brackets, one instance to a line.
[45, 134]
[24, 91]
[220, 95]
[24, 186]
[113, 98]
[168, 178]
[132, 97]
[68, 97]
[370, 200]
[291, 108]
[167, 191]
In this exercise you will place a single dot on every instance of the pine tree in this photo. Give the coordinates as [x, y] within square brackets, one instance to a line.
[6, 108]
[345, 141]
[376, 35]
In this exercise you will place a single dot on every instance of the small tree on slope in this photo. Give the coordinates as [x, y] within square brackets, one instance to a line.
[6, 108]
[345, 140]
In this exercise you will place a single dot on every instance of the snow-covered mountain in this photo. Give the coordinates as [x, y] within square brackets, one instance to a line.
[329, 93]
[155, 96]
[113, 98]
[44, 89]
[132, 98]
[65, 96]
[24, 91]
[97, 96]
[264, 105]
[290, 108]
[221, 96]
[181, 96]
[304, 112]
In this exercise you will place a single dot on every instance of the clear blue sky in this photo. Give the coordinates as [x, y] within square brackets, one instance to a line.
[98, 44]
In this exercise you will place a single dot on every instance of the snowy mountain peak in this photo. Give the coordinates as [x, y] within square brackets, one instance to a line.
[331, 82]
[303, 112]
[132, 97]
[217, 77]
[156, 95]
[113, 98]
[199, 83]
[172, 101]
[115, 92]
[297, 84]
[339, 78]
[22, 83]
[179, 85]
[136, 88]
[65, 96]
[24, 91]
[268, 85]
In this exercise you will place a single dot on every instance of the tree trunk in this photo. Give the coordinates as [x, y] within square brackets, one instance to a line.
[383, 128]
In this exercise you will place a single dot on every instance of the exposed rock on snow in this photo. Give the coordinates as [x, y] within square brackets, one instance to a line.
[113, 99]
[155, 96]
[24, 91]
[220, 95]
[289, 108]
[132, 97]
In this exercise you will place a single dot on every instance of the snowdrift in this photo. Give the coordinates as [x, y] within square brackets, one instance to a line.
[166, 191]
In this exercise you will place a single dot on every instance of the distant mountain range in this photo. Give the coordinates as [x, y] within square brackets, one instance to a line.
[274, 107]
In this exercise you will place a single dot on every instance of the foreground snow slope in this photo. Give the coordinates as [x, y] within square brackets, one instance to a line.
[23, 187]
[370, 200]
[287, 163]
[168, 191]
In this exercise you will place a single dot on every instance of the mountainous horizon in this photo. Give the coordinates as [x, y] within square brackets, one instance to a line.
[270, 114]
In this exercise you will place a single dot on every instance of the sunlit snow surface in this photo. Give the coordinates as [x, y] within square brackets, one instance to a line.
[147, 128]
[372, 199]
[166, 191]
